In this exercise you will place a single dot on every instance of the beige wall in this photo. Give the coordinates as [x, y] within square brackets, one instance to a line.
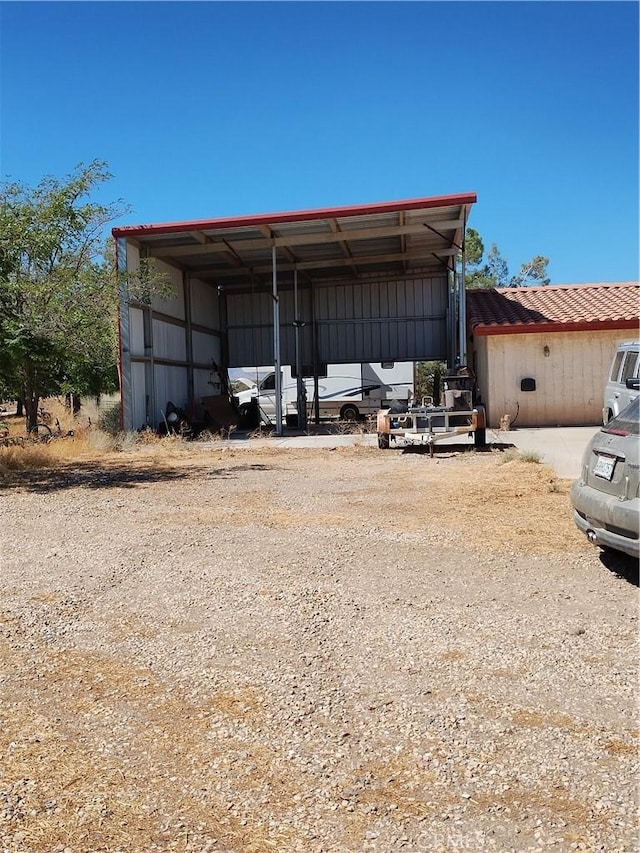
[570, 380]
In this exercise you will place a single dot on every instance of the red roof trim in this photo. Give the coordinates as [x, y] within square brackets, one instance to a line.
[534, 328]
[546, 288]
[296, 215]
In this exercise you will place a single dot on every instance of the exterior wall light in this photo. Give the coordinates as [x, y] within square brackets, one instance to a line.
[547, 351]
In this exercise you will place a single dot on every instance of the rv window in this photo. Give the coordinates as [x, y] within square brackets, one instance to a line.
[269, 383]
[387, 365]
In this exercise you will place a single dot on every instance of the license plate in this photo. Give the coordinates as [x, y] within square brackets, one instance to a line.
[604, 466]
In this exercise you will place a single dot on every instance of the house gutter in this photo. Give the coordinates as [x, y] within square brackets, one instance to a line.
[538, 328]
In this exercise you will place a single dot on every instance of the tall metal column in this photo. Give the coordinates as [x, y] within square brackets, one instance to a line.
[301, 386]
[276, 342]
[124, 334]
[188, 331]
[463, 297]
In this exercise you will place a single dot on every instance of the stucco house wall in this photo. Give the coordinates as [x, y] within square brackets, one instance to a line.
[569, 369]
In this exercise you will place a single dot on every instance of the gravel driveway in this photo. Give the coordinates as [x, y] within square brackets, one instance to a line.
[312, 651]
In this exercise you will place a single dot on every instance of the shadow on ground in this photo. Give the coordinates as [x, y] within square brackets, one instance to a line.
[622, 565]
[446, 451]
[122, 476]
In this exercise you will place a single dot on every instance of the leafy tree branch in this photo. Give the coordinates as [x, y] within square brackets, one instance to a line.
[60, 289]
[492, 270]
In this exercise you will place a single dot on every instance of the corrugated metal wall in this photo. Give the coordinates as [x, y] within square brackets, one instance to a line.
[399, 320]
[570, 377]
[169, 349]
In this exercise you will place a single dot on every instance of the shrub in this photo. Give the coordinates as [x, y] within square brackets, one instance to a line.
[110, 420]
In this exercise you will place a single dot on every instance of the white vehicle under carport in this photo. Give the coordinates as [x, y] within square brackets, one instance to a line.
[425, 423]
[349, 392]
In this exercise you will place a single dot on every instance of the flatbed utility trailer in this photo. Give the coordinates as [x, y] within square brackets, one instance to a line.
[426, 424]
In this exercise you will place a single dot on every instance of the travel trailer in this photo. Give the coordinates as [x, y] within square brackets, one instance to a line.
[346, 391]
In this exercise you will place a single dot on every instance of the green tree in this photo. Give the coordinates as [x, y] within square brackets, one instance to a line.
[474, 247]
[58, 293]
[497, 268]
[429, 380]
[532, 273]
[493, 270]
[476, 271]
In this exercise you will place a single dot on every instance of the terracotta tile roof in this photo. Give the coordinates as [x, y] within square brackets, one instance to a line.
[567, 307]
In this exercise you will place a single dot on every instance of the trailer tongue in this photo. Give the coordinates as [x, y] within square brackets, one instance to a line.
[426, 424]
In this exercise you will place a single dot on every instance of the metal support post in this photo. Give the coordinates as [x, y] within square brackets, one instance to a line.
[124, 334]
[301, 386]
[463, 297]
[276, 343]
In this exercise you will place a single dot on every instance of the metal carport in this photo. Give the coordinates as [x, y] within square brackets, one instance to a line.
[376, 282]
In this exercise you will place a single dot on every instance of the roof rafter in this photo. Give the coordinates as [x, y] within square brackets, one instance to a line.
[317, 265]
[340, 236]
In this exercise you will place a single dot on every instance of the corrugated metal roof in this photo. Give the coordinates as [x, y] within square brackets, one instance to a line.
[327, 244]
[572, 307]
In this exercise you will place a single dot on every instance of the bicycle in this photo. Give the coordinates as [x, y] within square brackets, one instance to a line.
[42, 432]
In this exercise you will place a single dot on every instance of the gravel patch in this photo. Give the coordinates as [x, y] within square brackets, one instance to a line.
[347, 651]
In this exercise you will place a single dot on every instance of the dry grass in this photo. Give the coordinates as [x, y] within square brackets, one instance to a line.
[500, 501]
[75, 440]
[500, 506]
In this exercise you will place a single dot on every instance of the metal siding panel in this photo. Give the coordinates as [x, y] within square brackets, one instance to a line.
[174, 306]
[398, 319]
[136, 331]
[287, 308]
[201, 385]
[138, 397]
[170, 385]
[123, 259]
[169, 341]
[250, 347]
[205, 307]
[205, 348]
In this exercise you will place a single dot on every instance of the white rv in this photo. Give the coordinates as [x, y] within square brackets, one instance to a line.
[347, 391]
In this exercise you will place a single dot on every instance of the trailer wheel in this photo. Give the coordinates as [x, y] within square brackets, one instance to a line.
[383, 440]
[349, 413]
[480, 437]
[249, 415]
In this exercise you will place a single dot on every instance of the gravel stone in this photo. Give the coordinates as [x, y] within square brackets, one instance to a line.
[339, 652]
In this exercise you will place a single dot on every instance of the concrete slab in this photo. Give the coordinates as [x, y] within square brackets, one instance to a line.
[560, 447]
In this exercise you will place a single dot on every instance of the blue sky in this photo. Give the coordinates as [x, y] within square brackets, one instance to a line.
[220, 109]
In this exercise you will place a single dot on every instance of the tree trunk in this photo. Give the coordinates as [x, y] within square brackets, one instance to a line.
[19, 407]
[72, 401]
[31, 410]
[437, 386]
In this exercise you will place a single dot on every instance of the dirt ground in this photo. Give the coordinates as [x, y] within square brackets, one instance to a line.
[348, 650]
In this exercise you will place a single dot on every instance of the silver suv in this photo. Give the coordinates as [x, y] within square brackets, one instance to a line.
[622, 384]
[606, 497]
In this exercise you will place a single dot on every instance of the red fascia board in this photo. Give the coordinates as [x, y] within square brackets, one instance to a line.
[533, 328]
[547, 288]
[296, 215]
